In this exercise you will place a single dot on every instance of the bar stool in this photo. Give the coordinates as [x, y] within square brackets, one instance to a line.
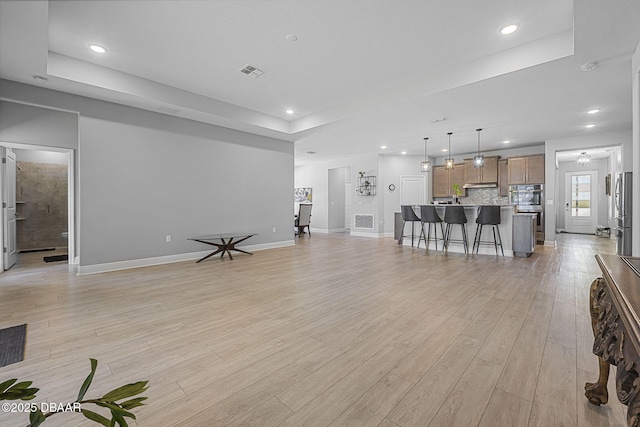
[429, 215]
[408, 215]
[488, 215]
[454, 214]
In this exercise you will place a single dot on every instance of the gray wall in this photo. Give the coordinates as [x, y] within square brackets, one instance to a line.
[144, 175]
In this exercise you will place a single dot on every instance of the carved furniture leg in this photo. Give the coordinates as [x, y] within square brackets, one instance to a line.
[597, 392]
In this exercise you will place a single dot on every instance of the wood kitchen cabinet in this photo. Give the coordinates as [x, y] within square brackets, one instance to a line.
[483, 175]
[526, 170]
[444, 179]
[503, 177]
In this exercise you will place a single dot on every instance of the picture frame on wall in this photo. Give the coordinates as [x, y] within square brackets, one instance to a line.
[303, 195]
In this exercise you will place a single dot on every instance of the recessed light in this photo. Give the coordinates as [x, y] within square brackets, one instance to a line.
[97, 48]
[506, 141]
[403, 152]
[595, 110]
[590, 125]
[311, 152]
[289, 111]
[444, 150]
[589, 66]
[509, 29]
[384, 147]
[291, 37]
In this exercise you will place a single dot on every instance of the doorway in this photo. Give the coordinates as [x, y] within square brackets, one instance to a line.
[581, 201]
[43, 185]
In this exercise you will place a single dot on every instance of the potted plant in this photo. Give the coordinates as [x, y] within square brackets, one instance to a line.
[457, 192]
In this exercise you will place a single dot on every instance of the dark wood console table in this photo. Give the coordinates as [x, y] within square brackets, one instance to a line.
[223, 242]
[614, 302]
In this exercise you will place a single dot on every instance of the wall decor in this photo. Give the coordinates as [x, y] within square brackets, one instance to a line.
[302, 195]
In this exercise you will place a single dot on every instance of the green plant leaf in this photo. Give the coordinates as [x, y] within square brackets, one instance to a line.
[125, 391]
[5, 385]
[22, 385]
[119, 418]
[93, 416]
[87, 381]
[133, 403]
[36, 418]
[115, 408]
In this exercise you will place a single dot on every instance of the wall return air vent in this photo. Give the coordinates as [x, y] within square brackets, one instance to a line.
[252, 71]
[363, 221]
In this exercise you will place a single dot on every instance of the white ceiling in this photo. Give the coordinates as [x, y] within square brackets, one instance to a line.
[361, 74]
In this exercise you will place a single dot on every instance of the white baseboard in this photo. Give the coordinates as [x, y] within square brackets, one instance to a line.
[550, 243]
[168, 259]
[364, 234]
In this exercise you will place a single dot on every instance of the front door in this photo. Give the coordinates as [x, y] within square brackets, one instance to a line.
[9, 207]
[581, 201]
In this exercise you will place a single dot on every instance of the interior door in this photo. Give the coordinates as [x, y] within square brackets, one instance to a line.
[581, 201]
[9, 207]
[347, 205]
[413, 190]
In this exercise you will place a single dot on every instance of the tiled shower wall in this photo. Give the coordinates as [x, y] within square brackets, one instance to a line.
[41, 194]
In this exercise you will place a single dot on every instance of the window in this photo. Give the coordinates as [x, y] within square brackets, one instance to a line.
[580, 195]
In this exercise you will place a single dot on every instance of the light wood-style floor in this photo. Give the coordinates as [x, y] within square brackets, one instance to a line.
[336, 331]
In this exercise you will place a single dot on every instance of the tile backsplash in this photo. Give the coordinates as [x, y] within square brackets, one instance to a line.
[484, 196]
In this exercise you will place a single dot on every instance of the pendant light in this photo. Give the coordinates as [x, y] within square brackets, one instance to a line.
[478, 160]
[583, 159]
[426, 165]
[448, 162]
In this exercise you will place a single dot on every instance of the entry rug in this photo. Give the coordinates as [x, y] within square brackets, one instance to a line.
[12, 342]
[55, 258]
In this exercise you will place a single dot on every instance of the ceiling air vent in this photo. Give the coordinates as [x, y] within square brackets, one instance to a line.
[252, 71]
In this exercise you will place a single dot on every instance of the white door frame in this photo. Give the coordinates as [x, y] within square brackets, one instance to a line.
[71, 196]
[569, 222]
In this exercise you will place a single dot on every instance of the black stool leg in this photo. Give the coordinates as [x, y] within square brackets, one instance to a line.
[464, 239]
[476, 240]
[500, 239]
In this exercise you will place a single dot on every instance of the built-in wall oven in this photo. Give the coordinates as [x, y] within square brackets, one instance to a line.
[529, 199]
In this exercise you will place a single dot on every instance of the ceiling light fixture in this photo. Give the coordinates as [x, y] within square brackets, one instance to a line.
[583, 159]
[291, 37]
[589, 66]
[448, 162]
[289, 111]
[595, 110]
[509, 29]
[591, 125]
[478, 160]
[426, 165]
[97, 48]
[384, 147]
[403, 152]
[506, 141]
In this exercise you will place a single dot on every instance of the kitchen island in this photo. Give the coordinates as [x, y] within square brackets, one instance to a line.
[471, 211]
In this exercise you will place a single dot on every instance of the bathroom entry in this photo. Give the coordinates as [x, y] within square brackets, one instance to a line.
[42, 200]
[44, 216]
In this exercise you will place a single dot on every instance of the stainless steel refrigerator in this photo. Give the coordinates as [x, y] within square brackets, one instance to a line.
[623, 199]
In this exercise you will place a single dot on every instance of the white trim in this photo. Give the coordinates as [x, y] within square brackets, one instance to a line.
[362, 234]
[168, 259]
[550, 243]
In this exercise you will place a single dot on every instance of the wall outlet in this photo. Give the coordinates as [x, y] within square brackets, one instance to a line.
[167, 238]
[274, 229]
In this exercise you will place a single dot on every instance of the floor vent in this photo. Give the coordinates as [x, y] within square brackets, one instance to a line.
[252, 71]
[363, 221]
